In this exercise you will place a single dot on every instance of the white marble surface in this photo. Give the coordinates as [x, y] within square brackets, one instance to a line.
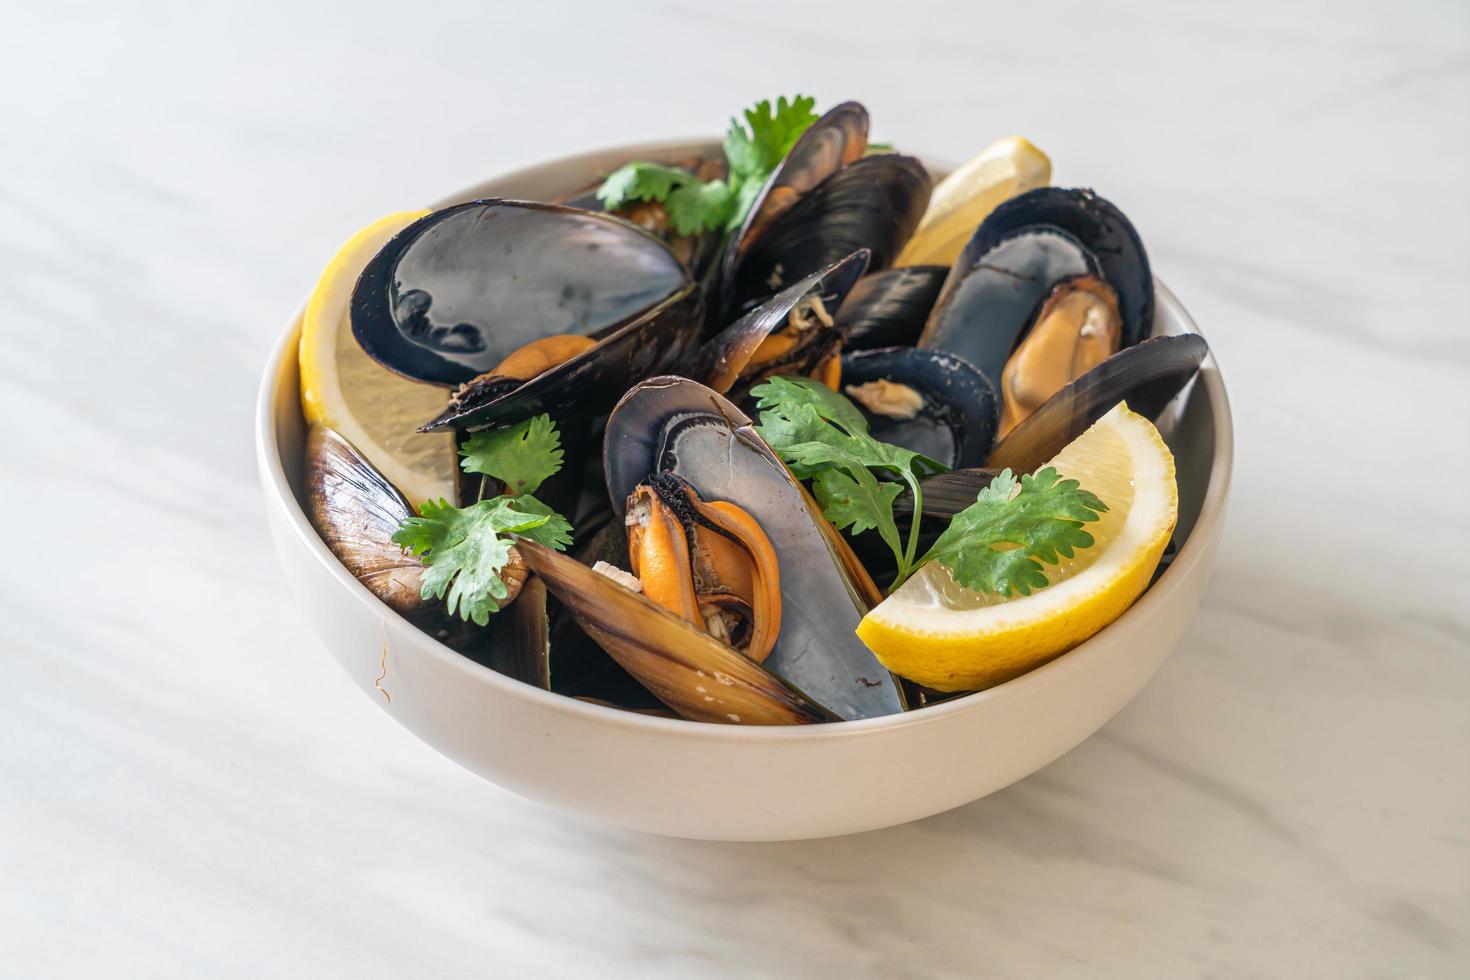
[190, 787]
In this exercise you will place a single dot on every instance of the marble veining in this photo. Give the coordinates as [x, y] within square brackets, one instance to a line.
[190, 787]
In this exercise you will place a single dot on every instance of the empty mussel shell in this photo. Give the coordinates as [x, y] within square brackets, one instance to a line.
[889, 308]
[682, 427]
[803, 313]
[356, 510]
[872, 203]
[930, 401]
[1018, 255]
[1147, 376]
[694, 674]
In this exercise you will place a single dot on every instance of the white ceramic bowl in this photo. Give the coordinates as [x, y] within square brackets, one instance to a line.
[730, 782]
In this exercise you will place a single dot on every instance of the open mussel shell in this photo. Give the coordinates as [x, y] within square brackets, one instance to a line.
[930, 401]
[725, 358]
[590, 382]
[873, 203]
[832, 142]
[889, 308]
[680, 426]
[454, 293]
[356, 510]
[1024, 249]
[1147, 376]
[690, 671]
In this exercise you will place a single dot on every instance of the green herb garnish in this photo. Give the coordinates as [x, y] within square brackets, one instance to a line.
[752, 151]
[465, 549]
[522, 456]
[997, 544]
[823, 437]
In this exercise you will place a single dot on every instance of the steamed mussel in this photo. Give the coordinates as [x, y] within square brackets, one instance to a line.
[678, 434]
[526, 307]
[719, 570]
[826, 200]
[707, 561]
[794, 332]
[930, 401]
[1052, 283]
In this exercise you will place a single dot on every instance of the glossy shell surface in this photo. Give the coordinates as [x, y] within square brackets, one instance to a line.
[680, 426]
[456, 291]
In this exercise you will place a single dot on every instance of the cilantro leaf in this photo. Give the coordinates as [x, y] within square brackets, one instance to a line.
[745, 194]
[999, 543]
[858, 502]
[755, 151]
[464, 549]
[785, 394]
[823, 437]
[802, 405]
[522, 456]
[641, 181]
[556, 533]
[752, 151]
[697, 206]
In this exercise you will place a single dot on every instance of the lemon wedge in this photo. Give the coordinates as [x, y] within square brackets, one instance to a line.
[942, 635]
[962, 200]
[373, 408]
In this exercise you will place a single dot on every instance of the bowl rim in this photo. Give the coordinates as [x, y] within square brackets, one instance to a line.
[278, 493]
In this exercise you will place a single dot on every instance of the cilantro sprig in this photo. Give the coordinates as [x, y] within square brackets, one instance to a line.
[998, 544]
[752, 151]
[823, 437]
[522, 456]
[465, 549]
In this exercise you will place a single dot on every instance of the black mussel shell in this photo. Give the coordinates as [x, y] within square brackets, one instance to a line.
[519, 640]
[873, 203]
[680, 426]
[1018, 254]
[956, 423]
[946, 494]
[889, 308]
[456, 291]
[724, 357]
[837, 139]
[1147, 376]
[591, 382]
[982, 314]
